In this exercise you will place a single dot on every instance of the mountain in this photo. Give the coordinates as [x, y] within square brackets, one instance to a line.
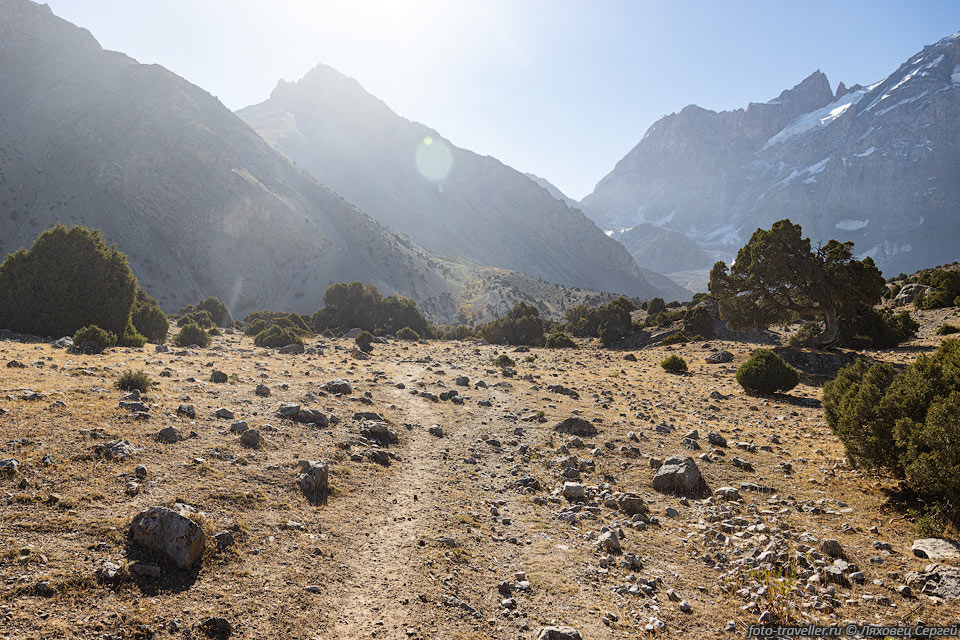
[875, 165]
[658, 248]
[196, 199]
[449, 200]
[553, 190]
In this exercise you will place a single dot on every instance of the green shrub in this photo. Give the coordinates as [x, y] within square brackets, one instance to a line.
[947, 329]
[93, 339]
[908, 424]
[945, 285]
[130, 380]
[257, 321]
[560, 340]
[67, 280]
[699, 321]
[354, 304]
[674, 364]
[520, 326]
[218, 312]
[655, 306]
[881, 329]
[364, 341]
[609, 322]
[276, 337]
[677, 338]
[149, 319]
[503, 361]
[766, 373]
[202, 318]
[408, 334]
[131, 338]
[192, 335]
[453, 332]
[214, 332]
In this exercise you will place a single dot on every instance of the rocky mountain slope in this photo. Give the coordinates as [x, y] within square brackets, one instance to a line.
[196, 199]
[876, 165]
[665, 250]
[450, 200]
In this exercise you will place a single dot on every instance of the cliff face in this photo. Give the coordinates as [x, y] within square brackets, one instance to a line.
[876, 165]
[450, 200]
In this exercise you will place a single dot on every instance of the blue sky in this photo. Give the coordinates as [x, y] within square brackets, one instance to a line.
[559, 88]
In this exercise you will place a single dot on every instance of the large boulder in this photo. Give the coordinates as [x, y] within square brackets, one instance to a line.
[680, 476]
[558, 633]
[171, 533]
[313, 478]
[576, 427]
[338, 385]
[936, 548]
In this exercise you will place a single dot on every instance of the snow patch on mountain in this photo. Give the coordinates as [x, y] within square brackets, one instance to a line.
[816, 119]
[851, 225]
[955, 76]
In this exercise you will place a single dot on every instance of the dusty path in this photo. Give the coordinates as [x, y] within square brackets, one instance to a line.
[381, 596]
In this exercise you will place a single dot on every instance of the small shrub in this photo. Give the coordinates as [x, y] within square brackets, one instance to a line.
[192, 335]
[656, 306]
[504, 361]
[277, 337]
[149, 319]
[947, 329]
[766, 373]
[214, 331]
[364, 341]
[218, 312]
[560, 340]
[409, 334]
[674, 364]
[130, 380]
[201, 318]
[677, 338]
[93, 339]
[131, 338]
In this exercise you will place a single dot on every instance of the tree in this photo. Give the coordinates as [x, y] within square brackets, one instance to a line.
[521, 326]
[354, 304]
[777, 278]
[67, 280]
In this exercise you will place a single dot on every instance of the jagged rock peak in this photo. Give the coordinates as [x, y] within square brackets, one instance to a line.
[812, 93]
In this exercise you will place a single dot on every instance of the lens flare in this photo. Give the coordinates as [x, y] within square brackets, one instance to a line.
[433, 159]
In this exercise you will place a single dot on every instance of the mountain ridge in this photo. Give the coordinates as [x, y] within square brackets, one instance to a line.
[874, 165]
[450, 200]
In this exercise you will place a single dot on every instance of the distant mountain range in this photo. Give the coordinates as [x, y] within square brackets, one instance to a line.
[450, 200]
[202, 205]
[877, 165]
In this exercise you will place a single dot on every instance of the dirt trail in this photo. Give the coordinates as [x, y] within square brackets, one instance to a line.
[381, 598]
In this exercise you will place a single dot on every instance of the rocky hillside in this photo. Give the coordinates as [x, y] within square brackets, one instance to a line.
[196, 199]
[663, 249]
[876, 165]
[449, 200]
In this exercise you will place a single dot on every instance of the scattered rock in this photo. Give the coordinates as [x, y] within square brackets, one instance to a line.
[251, 438]
[170, 533]
[680, 476]
[218, 377]
[558, 633]
[719, 357]
[262, 390]
[170, 435]
[576, 427]
[936, 548]
[313, 479]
